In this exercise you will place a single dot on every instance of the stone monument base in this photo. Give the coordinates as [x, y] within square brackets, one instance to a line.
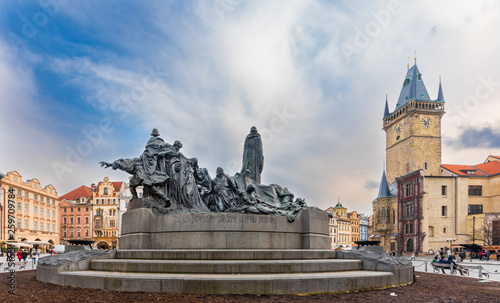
[142, 229]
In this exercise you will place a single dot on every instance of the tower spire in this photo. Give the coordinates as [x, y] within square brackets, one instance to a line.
[408, 65]
[440, 91]
[386, 111]
[415, 57]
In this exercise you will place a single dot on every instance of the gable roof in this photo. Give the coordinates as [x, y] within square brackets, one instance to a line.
[82, 191]
[116, 185]
[480, 170]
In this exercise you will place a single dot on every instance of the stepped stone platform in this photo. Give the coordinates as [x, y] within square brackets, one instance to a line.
[240, 271]
[225, 253]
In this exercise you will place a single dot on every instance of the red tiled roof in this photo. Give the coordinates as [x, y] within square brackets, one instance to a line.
[484, 169]
[491, 168]
[82, 191]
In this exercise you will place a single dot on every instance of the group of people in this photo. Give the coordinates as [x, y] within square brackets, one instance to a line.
[32, 254]
[485, 255]
[450, 260]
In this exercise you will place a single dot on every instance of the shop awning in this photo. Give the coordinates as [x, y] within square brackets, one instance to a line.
[39, 242]
[18, 244]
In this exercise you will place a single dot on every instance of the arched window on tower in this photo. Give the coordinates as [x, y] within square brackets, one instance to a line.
[383, 214]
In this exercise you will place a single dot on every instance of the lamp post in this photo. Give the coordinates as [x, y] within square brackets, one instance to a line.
[473, 229]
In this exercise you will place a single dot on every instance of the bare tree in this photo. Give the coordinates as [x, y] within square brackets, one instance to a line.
[488, 233]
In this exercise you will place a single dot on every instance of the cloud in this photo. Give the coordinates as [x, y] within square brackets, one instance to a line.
[370, 185]
[485, 137]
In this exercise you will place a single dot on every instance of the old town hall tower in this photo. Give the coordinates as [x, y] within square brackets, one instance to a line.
[413, 129]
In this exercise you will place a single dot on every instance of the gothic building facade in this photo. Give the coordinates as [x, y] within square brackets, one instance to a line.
[422, 204]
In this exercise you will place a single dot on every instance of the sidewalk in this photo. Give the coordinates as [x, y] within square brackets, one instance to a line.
[29, 265]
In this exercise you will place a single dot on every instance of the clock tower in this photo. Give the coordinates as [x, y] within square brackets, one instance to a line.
[413, 129]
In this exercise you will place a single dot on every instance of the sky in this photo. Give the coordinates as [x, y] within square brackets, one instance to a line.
[87, 81]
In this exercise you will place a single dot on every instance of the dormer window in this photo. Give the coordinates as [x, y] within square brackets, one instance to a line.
[419, 77]
[407, 81]
[422, 95]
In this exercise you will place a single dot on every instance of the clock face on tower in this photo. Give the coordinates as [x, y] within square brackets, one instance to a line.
[398, 128]
[426, 122]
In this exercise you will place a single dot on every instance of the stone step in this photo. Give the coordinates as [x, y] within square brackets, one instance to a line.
[225, 266]
[226, 254]
[290, 283]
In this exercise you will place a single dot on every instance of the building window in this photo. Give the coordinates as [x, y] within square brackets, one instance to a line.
[41, 199]
[26, 224]
[71, 233]
[64, 210]
[48, 213]
[19, 206]
[19, 192]
[64, 234]
[86, 233]
[109, 201]
[26, 207]
[425, 165]
[409, 189]
[35, 210]
[86, 220]
[86, 209]
[431, 231]
[53, 228]
[64, 221]
[26, 194]
[475, 190]
[70, 220]
[19, 223]
[41, 226]
[53, 214]
[112, 223]
[443, 190]
[106, 191]
[475, 209]
[444, 211]
[42, 211]
[444, 230]
[78, 233]
[78, 220]
[35, 225]
[71, 209]
[78, 209]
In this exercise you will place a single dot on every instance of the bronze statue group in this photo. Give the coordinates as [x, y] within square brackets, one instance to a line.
[173, 183]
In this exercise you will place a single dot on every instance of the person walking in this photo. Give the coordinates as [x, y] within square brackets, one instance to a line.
[34, 256]
[480, 255]
[24, 254]
[19, 255]
[51, 251]
[38, 251]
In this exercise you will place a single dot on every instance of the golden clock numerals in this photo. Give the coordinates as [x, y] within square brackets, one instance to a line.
[426, 122]
[398, 128]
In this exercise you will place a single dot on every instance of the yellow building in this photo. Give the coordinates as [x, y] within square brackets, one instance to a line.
[344, 226]
[353, 216]
[105, 203]
[35, 211]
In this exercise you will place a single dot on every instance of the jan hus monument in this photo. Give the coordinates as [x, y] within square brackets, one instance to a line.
[181, 199]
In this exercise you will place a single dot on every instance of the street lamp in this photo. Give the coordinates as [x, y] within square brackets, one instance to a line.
[473, 229]
[451, 240]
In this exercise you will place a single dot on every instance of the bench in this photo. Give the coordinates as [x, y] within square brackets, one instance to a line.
[442, 266]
